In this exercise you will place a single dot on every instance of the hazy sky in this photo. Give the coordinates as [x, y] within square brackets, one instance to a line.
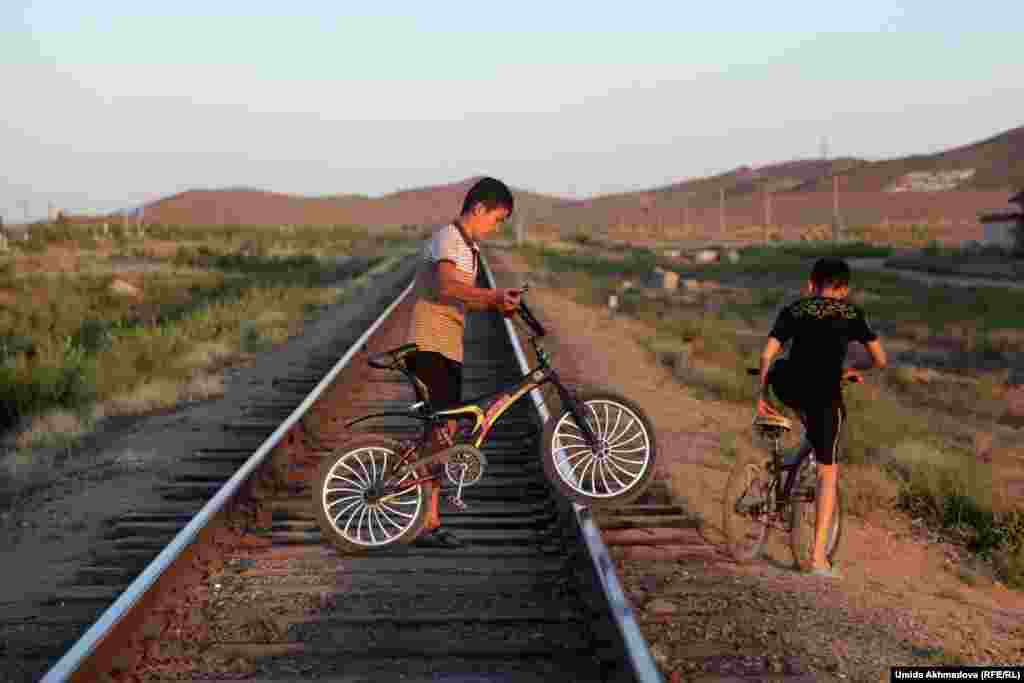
[110, 103]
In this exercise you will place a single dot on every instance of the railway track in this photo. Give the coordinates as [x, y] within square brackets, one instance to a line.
[232, 579]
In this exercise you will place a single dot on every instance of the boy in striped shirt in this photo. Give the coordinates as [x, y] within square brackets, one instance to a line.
[445, 289]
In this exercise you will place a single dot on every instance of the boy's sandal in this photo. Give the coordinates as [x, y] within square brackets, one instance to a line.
[825, 572]
[439, 538]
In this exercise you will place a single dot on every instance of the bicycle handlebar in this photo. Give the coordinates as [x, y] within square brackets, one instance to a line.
[526, 315]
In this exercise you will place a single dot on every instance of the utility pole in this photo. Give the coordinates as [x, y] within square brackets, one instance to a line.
[721, 213]
[836, 221]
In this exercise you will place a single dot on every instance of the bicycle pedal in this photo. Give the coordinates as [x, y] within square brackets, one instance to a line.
[457, 503]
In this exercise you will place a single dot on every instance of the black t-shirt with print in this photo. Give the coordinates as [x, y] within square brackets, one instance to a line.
[821, 329]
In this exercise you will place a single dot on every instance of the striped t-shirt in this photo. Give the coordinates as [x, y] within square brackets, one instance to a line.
[438, 323]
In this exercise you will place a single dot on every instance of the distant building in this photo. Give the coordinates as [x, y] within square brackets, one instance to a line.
[1000, 227]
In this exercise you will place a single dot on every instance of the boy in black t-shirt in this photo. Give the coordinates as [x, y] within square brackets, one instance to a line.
[821, 325]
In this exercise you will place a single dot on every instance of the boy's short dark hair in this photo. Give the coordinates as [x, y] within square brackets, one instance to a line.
[490, 192]
[830, 272]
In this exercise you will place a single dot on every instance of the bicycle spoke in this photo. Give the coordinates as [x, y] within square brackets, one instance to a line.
[631, 475]
[362, 481]
[604, 480]
[362, 466]
[617, 444]
[386, 516]
[335, 475]
[614, 433]
[571, 445]
[344, 510]
[344, 488]
[343, 498]
[396, 512]
[631, 462]
[369, 525]
[611, 471]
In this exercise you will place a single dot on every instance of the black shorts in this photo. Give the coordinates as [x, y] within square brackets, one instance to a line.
[822, 413]
[441, 375]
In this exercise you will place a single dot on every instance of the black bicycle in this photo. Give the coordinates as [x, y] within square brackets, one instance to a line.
[372, 492]
[779, 493]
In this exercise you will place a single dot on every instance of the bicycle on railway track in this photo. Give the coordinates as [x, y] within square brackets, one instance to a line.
[372, 492]
[779, 493]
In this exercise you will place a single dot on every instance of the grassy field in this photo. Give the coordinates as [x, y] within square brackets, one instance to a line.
[95, 325]
[923, 436]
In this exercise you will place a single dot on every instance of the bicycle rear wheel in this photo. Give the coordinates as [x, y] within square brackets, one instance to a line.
[803, 516]
[359, 505]
[749, 497]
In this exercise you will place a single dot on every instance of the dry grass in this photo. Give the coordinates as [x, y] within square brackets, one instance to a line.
[206, 355]
[867, 489]
[53, 428]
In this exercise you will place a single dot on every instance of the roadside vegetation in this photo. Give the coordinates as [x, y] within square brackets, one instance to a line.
[925, 437]
[96, 324]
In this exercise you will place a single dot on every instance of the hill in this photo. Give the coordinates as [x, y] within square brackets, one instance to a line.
[996, 163]
[432, 204]
[953, 186]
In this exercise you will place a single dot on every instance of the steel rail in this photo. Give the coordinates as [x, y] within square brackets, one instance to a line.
[67, 665]
[645, 669]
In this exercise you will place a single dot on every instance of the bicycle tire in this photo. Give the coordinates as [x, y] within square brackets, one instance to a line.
[558, 439]
[745, 533]
[348, 455]
[801, 535]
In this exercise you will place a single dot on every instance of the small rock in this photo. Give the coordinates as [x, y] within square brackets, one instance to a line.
[123, 288]
[660, 606]
[659, 654]
[706, 256]
[637, 597]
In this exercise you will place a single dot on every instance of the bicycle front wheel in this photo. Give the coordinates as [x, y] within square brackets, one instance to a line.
[620, 469]
[803, 518]
[749, 498]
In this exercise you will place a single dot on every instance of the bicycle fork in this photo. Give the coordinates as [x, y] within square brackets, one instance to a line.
[575, 409]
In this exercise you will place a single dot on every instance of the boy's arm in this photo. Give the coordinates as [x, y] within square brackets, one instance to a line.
[866, 336]
[771, 349]
[452, 286]
[879, 359]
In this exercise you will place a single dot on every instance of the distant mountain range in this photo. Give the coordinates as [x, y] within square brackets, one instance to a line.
[958, 183]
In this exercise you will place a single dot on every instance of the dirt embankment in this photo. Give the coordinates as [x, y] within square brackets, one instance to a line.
[906, 597]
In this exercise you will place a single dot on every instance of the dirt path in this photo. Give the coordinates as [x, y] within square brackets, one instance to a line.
[902, 600]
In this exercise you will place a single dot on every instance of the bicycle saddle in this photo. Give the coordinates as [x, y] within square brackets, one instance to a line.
[389, 359]
[770, 425]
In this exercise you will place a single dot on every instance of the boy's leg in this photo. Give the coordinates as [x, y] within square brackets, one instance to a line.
[824, 430]
[828, 476]
[433, 519]
[443, 379]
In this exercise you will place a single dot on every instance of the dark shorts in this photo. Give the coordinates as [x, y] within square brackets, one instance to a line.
[822, 413]
[441, 375]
